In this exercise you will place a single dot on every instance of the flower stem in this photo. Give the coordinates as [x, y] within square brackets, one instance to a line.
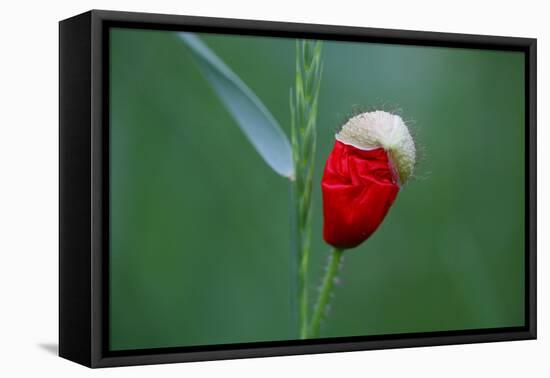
[326, 289]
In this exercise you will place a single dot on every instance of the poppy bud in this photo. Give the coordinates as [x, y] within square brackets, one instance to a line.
[374, 154]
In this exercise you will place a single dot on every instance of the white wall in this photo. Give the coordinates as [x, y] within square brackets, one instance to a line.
[28, 186]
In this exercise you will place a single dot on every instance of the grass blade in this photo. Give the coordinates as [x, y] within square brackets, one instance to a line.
[254, 119]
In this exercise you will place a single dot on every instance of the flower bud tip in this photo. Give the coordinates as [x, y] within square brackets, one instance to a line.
[382, 129]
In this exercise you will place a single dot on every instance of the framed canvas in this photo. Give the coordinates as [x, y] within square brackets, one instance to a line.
[235, 188]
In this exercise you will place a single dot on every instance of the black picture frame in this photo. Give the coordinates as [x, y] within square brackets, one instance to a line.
[84, 188]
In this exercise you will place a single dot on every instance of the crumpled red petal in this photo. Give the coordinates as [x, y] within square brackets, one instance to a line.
[359, 187]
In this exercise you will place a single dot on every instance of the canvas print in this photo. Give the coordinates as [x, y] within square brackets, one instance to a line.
[274, 189]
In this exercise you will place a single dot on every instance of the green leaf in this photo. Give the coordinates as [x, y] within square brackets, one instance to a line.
[256, 122]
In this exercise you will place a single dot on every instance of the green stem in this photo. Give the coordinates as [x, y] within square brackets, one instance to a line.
[295, 284]
[303, 109]
[324, 294]
[299, 264]
[304, 302]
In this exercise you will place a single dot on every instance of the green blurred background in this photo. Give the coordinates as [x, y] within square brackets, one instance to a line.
[200, 234]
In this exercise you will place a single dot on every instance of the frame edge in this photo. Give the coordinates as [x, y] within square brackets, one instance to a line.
[74, 189]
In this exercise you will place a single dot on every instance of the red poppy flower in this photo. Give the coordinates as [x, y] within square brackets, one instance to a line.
[360, 184]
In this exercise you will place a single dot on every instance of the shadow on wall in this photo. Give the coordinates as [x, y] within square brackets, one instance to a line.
[51, 348]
